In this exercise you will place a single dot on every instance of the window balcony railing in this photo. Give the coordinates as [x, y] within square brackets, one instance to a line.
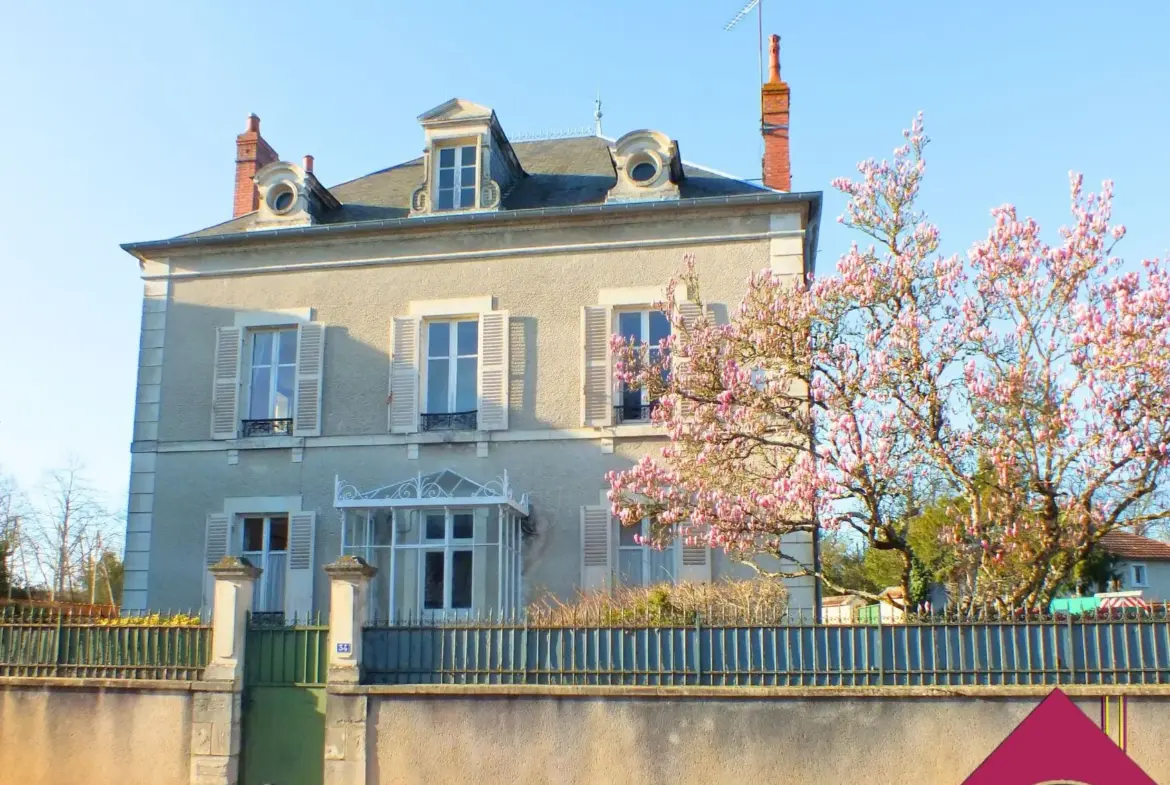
[449, 421]
[632, 412]
[280, 427]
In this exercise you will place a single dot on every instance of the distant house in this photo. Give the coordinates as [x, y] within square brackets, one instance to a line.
[1143, 564]
[841, 609]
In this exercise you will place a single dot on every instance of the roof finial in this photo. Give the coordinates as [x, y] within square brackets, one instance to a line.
[597, 114]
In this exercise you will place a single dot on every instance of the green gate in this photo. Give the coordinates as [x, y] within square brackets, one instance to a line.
[284, 704]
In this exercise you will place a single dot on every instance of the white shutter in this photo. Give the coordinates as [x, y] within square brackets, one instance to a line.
[310, 372]
[596, 551]
[597, 367]
[298, 579]
[403, 414]
[493, 371]
[225, 390]
[694, 563]
[216, 545]
[690, 313]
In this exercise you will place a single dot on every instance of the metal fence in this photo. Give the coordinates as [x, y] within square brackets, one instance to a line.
[36, 642]
[1027, 650]
[280, 654]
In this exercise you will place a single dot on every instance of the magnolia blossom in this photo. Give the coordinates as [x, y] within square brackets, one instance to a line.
[1026, 383]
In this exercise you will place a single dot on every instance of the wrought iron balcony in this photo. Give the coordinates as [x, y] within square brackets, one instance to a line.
[626, 412]
[449, 421]
[282, 427]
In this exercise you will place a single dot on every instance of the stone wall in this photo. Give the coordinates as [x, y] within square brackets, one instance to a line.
[93, 732]
[582, 736]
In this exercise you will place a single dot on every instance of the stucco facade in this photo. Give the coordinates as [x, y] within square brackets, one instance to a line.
[534, 271]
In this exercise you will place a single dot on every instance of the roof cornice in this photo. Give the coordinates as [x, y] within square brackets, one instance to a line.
[812, 199]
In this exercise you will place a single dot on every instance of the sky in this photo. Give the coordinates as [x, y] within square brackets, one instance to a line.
[118, 124]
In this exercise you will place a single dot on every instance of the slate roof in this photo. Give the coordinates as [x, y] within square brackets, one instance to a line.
[1133, 546]
[561, 173]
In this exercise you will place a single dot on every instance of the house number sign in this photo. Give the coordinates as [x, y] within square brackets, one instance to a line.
[343, 648]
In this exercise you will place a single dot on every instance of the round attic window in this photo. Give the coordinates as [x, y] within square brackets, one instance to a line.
[281, 198]
[643, 172]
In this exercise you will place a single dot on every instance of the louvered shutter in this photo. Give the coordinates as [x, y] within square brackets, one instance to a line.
[597, 367]
[310, 372]
[694, 563]
[690, 313]
[403, 414]
[493, 371]
[216, 545]
[596, 552]
[298, 579]
[225, 391]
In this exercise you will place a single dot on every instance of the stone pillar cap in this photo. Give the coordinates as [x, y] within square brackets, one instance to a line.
[350, 567]
[234, 567]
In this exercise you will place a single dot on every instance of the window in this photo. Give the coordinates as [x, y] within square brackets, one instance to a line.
[281, 198]
[456, 177]
[639, 564]
[448, 540]
[643, 172]
[271, 382]
[264, 542]
[1137, 576]
[451, 375]
[643, 327]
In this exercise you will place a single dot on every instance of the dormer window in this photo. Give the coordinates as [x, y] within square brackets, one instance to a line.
[643, 172]
[281, 198]
[648, 166]
[457, 176]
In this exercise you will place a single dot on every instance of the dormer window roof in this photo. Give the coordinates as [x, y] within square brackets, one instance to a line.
[468, 162]
[648, 166]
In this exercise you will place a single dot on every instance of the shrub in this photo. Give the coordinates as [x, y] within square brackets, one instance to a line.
[724, 603]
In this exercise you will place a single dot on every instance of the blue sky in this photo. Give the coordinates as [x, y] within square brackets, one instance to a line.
[119, 119]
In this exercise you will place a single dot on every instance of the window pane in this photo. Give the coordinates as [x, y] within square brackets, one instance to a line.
[446, 199]
[438, 339]
[631, 403]
[659, 326]
[467, 197]
[630, 566]
[288, 347]
[258, 395]
[437, 386]
[626, 535]
[436, 526]
[630, 325]
[461, 579]
[253, 534]
[447, 156]
[661, 564]
[467, 156]
[285, 377]
[278, 534]
[446, 178]
[433, 580]
[262, 348]
[462, 525]
[466, 396]
[467, 337]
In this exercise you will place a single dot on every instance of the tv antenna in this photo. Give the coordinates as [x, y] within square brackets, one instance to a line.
[758, 6]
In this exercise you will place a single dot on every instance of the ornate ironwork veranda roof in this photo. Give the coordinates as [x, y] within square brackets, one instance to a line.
[444, 488]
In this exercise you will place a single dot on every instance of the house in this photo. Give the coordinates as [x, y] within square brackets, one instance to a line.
[414, 366]
[1058, 743]
[841, 609]
[1142, 564]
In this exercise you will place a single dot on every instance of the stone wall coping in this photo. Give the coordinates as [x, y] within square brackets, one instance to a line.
[162, 685]
[742, 693]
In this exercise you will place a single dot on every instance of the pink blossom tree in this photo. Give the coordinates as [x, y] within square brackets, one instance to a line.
[1026, 386]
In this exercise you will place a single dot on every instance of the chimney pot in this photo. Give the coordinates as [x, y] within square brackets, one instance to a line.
[308, 164]
[253, 126]
[774, 59]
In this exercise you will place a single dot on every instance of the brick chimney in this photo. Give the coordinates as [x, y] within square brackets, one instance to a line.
[774, 97]
[252, 155]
